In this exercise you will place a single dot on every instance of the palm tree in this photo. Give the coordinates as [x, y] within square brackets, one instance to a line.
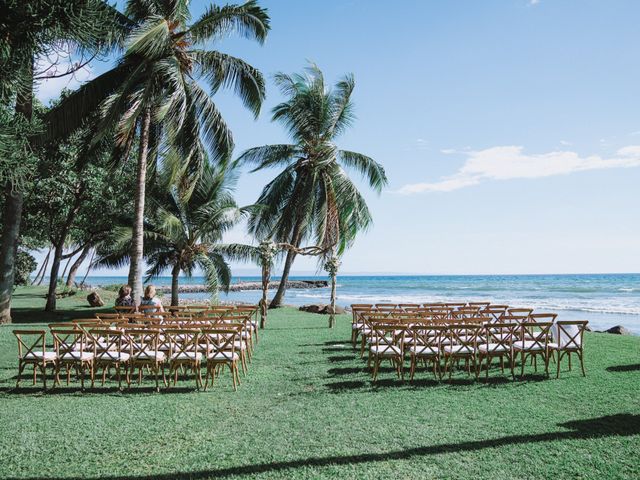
[184, 233]
[313, 196]
[154, 93]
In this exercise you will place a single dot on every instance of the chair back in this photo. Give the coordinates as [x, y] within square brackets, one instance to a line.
[568, 334]
[30, 343]
[68, 342]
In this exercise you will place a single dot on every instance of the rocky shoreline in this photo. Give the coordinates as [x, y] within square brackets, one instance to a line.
[244, 286]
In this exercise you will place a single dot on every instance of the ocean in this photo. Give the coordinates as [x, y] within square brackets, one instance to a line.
[604, 300]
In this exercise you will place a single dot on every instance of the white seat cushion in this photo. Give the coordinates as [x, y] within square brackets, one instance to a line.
[385, 350]
[82, 356]
[195, 356]
[48, 356]
[159, 356]
[528, 345]
[424, 351]
[493, 348]
[458, 349]
[223, 356]
[112, 357]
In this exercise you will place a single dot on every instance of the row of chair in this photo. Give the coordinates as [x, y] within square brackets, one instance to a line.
[178, 343]
[429, 339]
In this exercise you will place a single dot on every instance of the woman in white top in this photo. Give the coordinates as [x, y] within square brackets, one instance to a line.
[150, 299]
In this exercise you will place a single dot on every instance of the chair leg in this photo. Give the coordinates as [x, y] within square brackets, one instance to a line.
[558, 364]
[20, 369]
[581, 357]
[43, 369]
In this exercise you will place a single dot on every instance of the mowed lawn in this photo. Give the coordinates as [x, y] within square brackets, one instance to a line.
[307, 409]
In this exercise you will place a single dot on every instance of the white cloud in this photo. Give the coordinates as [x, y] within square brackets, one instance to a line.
[565, 143]
[510, 162]
[534, 2]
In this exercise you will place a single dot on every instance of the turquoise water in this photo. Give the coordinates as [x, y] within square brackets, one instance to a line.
[603, 299]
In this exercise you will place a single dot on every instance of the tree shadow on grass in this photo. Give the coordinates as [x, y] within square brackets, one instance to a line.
[340, 358]
[624, 368]
[620, 425]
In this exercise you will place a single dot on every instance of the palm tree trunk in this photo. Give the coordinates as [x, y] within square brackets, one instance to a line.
[86, 274]
[53, 277]
[12, 215]
[332, 312]
[66, 267]
[76, 265]
[137, 247]
[266, 274]
[175, 276]
[40, 275]
[276, 302]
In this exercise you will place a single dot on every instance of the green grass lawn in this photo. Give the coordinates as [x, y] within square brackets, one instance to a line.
[307, 409]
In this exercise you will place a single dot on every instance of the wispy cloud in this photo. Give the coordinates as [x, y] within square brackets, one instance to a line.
[510, 162]
[534, 2]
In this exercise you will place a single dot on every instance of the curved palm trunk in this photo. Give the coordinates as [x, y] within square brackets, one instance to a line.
[332, 312]
[175, 276]
[137, 248]
[276, 302]
[266, 274]
[40, 275]
[53, 278]
[12, 216]
[76, 265]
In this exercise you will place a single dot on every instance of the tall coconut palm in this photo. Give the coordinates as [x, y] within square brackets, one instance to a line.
[154, 93]
[184, 233]
[313, 197]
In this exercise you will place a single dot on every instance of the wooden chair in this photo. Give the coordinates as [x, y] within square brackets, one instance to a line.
[221, 350]
[567, 339]
[357, 323]
[32, 351]
[533, 342]
[110, 353]
[142, 345]
[71, 352]
[387, 344]
[481, 305]
[185, 353]
[425, 347]
[462, 344]
[498, 343]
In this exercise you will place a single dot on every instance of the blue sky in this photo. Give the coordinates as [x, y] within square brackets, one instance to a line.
[509, 129]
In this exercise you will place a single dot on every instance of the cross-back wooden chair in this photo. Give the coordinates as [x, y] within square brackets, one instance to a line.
[387, 343]
[113, 352]
[71, 352]
[143, 344]
[32, 350]
[461, 344]
[369, 319]
[521, 313]
[426, 347]
[357, 322]
[221, 350]
[497, 342]
[496, 312]
[533, 342]
[567, 339]
[185, 352]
